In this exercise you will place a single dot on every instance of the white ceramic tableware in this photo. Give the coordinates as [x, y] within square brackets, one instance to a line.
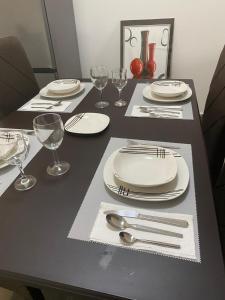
[179, 184]
[148, 169]
[90, 123]
[44, 92]
[4, 163]
[63, 86]
[149, 95]
[168, 88]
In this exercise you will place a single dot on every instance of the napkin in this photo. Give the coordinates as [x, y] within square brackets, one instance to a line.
[136, 112]
[103, 233]
[62, 107]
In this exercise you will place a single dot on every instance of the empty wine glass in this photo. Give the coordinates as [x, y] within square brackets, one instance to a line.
[19, 151]
[49, 130]
[99, 77]
[119, 79]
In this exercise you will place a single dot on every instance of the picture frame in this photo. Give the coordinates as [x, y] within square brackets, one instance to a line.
[146, 47]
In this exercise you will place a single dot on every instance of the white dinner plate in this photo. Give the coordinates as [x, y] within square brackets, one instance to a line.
[45, 93]
[169, 88]
[87, 123]
[148, 169]
[147, 93]
[63, 86]
[4, 164]
[172, 190]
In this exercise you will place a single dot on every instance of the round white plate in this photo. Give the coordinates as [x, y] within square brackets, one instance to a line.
[87, 123]
[45, 93]
[173, 189]
[63, 86]
[147, 169]
[169, 88]
[4, 164]
[147, 93]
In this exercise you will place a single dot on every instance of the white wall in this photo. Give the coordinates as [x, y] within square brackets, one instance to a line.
[199, 34]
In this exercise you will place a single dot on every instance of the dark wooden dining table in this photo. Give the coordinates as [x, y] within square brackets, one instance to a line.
[35, 250]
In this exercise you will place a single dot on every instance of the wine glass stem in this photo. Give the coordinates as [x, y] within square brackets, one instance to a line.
[22, 175]
[119, 90]
[55, 157]
[101, 95]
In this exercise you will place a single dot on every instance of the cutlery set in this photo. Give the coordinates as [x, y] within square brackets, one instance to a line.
[162, 111]
[43, 104]
[116, 220]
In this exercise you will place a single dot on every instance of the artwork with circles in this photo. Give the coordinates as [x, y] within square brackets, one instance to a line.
[146, 47]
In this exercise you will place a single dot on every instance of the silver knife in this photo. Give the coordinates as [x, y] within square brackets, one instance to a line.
[136, 215]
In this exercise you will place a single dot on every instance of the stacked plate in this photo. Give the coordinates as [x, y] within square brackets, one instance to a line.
[62, 88]
[146, 173]
[167, 91]
[8, 147]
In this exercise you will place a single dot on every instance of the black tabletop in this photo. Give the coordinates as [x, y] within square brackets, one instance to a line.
[34, 224]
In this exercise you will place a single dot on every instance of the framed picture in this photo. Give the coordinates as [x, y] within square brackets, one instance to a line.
[146, 47]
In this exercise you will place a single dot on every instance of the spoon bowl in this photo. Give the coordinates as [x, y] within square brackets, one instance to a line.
[116, 221]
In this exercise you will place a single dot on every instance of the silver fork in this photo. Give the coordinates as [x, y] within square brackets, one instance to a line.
[75, 119]
[147, 150]
[123, 191]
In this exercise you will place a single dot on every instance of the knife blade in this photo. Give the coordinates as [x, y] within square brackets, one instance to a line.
[136, 215]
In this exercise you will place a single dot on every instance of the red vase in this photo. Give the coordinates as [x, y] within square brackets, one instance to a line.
[136, 67]
[151, 62]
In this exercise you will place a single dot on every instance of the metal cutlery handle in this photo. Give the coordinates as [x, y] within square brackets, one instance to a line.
[155, 230]
[162, 244]
[168, 221]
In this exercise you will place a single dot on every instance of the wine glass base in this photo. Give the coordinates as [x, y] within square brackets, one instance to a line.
[58, 169]
[120, 103]
[101, 104]
[26, 183]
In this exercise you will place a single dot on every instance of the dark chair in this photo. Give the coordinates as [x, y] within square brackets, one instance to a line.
[213, 123]
[17, 81]
[214, 132]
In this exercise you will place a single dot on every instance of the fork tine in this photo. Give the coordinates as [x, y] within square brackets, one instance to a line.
[74, 121]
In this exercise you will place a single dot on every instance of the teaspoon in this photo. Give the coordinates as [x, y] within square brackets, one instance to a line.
[130, 240]
[120, 223]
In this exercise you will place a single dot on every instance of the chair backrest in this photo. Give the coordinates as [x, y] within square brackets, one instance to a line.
[17, 81]
[214, 120]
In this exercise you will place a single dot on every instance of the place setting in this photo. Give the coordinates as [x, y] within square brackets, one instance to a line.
[131, 199]
[61, 95]
[168, 99]
[19, 146]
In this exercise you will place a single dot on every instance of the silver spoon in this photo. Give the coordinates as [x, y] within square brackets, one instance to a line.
[38, 105]
[120, 223]
[130, 239]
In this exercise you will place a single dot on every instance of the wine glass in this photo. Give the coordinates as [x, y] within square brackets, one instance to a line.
[19, 145]
[119, 79]
[99, 77]
[49, 130]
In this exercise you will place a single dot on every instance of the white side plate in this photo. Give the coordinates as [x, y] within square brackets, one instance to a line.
[90, 123]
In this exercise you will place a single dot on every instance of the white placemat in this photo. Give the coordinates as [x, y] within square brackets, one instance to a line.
[103, 233]
[73, 101]
[138, 99]
[10, 173]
